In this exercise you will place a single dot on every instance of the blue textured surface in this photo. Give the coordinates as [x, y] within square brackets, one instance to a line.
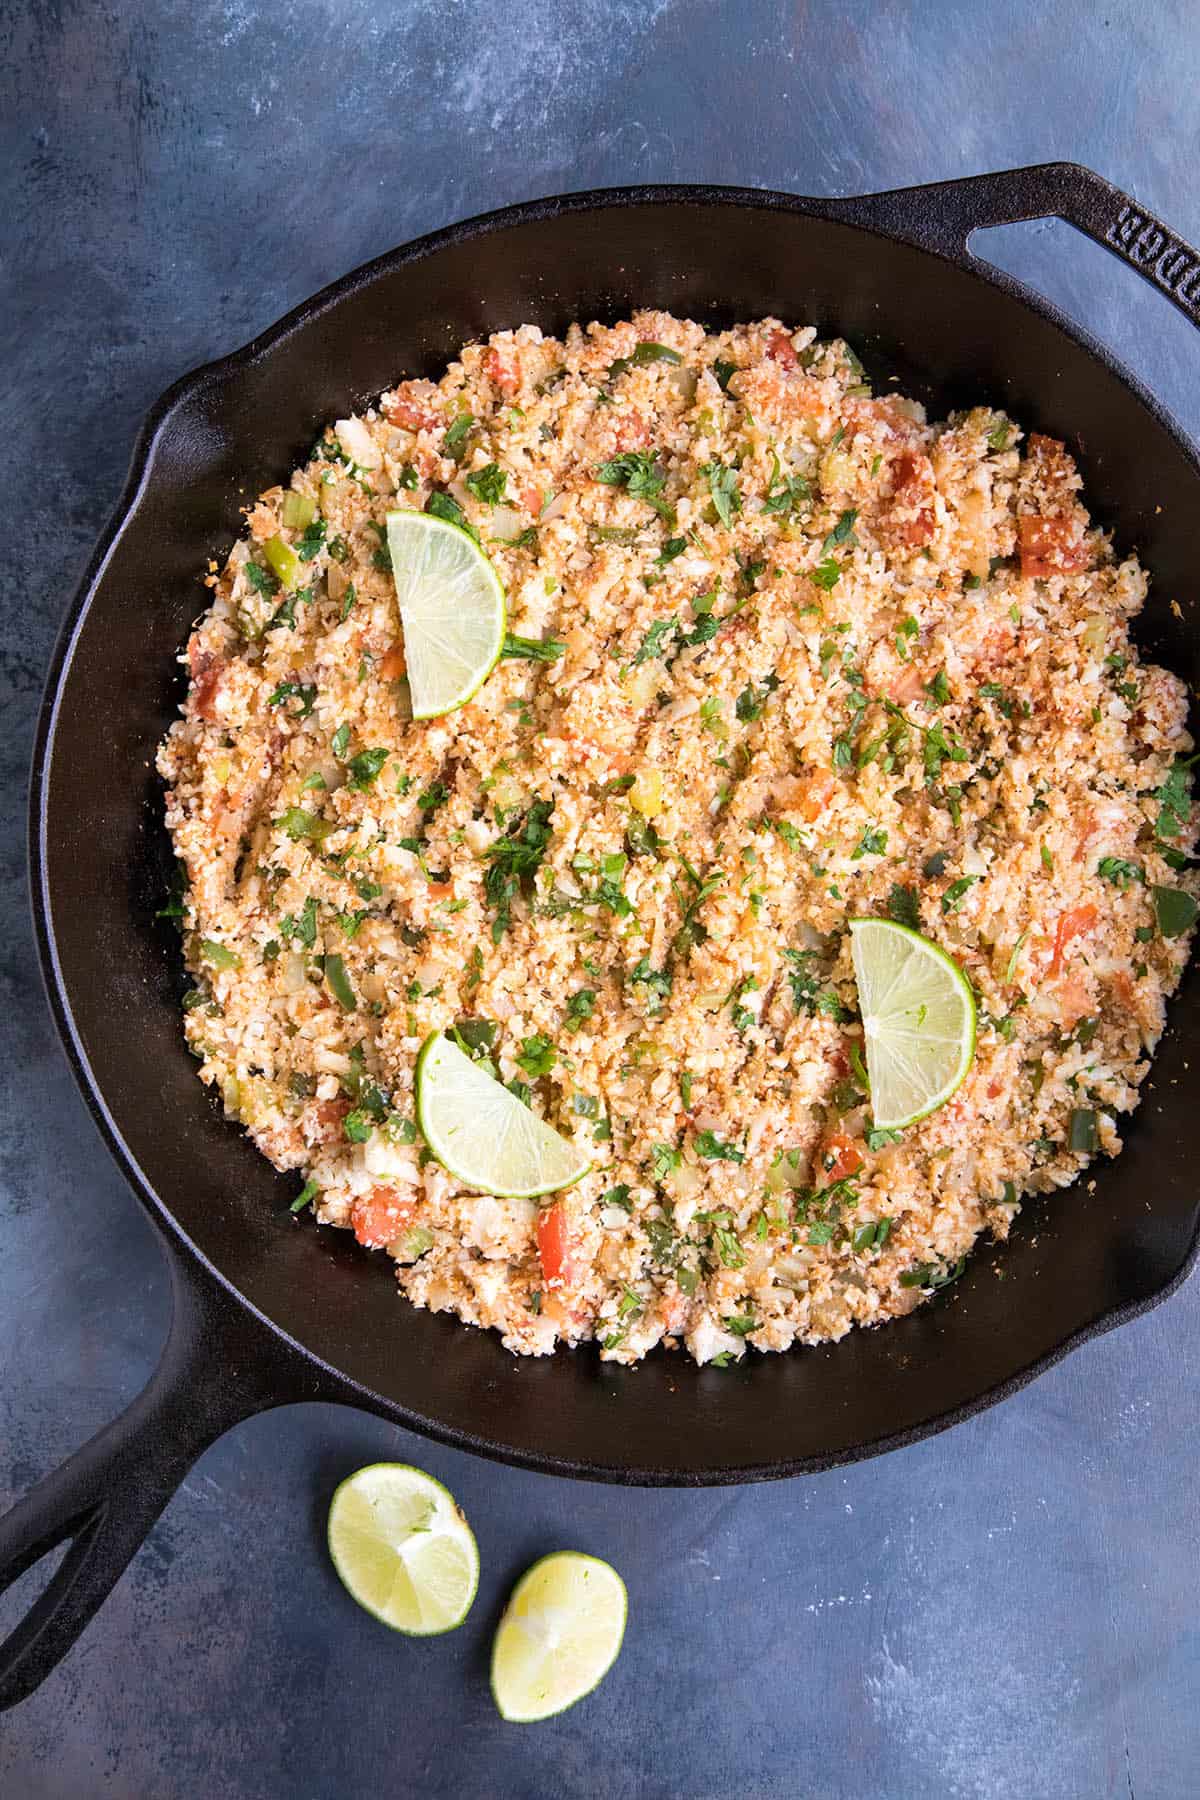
[1009, 1610]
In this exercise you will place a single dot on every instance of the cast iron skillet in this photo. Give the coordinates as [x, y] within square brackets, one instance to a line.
[268, 1310]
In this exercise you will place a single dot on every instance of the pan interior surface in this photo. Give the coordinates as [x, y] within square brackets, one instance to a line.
[1075, 1262]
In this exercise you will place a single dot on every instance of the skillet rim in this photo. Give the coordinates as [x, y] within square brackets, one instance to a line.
[182, 1250]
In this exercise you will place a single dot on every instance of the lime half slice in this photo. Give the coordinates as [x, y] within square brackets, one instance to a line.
[403, 1549]
[559, 1637]
[451, 609]
[918, 1017]
[485, 1136]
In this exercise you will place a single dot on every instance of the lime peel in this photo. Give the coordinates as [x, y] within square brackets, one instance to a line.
[918, 1014]
[561, 1632]
[483, 1135]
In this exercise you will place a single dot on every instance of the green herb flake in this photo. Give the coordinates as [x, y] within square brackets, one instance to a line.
[487, 484]
[902, 907]
[723, 487]
[580, 1007]
[305, 693]
[1174, 910]
[445, 506]
[954, 893]
[454, 442]
[364, 768]
[843, 533]
[1121, 873]
[637, 472]
[711, 1147]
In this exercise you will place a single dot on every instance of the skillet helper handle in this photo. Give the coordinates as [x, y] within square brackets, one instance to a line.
[219, 1366]
[941, 217]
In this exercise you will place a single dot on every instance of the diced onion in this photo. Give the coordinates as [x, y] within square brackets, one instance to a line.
[294, 978]
[358, 443]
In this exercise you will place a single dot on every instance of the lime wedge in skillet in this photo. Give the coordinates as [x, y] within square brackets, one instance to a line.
[451, 610]
[403, 1549]
[559, 1637]
[918, 1017]
[485, 1136]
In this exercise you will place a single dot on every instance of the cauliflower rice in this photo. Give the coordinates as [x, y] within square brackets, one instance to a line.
[790, 654]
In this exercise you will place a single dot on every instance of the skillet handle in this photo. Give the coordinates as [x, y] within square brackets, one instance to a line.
[219, 1366]
[942, 216]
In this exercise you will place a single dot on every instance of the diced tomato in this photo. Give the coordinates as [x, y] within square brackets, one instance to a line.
[1074, 1001]
[781, 349]
[503, 370]
[1124, 989]
[1052, 461]
[392, 664]
[840, 1157]
[884, 418]
[839, 1062]
[554, 1245]
[379, 1217]
[330, 1114]
[674, 1310]
[532, 499]
[1071, 924]
[206, 670]
[632, 433]
[819, 789]
[908, 685]
[1050, 546]
[412, 411]
[911, 519]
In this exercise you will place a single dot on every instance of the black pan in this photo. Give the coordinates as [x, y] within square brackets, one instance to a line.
[268, 1309]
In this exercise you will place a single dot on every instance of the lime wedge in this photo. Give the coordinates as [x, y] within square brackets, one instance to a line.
[451, 608]
[403, 1549]
[485, 1136]
[918, 1017]
[559, 1637]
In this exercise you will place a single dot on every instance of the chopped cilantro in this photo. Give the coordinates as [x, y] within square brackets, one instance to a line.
[842, 533]
[902, 907]
[956, 890]
[487, 484]
[445, 506]
[513, 860]
[304, 692]
[723, 486]
[638, 473]
[454, 442]
[537, 1055]
[1119, 872]
[872, 843]
[711, 1147]
[364, 768]
[580, 1007]
[1174, 910]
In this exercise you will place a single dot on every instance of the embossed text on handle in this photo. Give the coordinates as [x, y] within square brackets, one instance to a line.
[1171, 264]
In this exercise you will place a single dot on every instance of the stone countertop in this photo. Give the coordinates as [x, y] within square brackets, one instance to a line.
[1007, 1610]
